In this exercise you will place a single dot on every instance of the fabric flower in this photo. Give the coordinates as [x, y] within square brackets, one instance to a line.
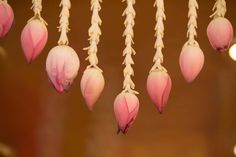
[6, 18]
[220, 33]
[126, 108]
[92, 84]
[62, 66]
[159, 87]
[33, 39]
[191, 61]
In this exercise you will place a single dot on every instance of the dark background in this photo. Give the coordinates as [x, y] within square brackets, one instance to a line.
[199, 120]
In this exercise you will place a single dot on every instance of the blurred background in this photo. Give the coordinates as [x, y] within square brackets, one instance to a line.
[199, 120]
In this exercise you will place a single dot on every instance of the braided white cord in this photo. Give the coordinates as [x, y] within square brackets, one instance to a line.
[37, 8]
[94, 34]
[159, 34]
[219, 9]
[128, 84]
[64, 22]
[192, 23]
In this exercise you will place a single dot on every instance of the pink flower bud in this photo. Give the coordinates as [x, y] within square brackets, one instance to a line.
[158, 87]
[62, 66]
[191, 61]
[92, 84]
[33, 39]
[6, 18]
[126, 108]
[220, 33]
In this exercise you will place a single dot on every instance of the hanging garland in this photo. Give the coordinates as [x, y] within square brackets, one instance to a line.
[191, 59]
[35, 34]
[220, 30]
[159, 82]
[62, 62]
[126, 104]
[92, 82]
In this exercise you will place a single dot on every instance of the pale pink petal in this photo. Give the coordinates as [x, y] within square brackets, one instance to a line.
[126, 108]
[92, 84]
[191, 62]
[6, 18]
[159, 87]
[220, 33]
[33, 39]
[62, 66]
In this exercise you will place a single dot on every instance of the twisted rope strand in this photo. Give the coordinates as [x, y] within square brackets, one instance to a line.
[37, 8]
[159, 34]
[192, 23]
[64, 22]
[219, 9]
[94, 34]
[128, 84]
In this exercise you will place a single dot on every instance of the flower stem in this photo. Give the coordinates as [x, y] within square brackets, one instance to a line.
[192, 23]
[94, 34]
[64, 22]
[128, 84]
[159, 34]
[37, 8]
[219, 9]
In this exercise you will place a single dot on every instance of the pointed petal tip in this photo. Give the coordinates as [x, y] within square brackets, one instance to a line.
[90, 109]
[29, 60]
[120, 130]
[189, 81]
[89, 104]
[160, 109]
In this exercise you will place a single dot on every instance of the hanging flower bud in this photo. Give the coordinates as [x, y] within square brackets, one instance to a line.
[33, 39]
[126, 108]
[6, 18]
[92, 84]
[220, 34]
[191, 62]
[62, 66]
[159, 87]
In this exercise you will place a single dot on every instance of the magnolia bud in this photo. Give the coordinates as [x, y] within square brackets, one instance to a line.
[191, 61]
[6, 18]
[92, 84]
[62, 66]
[33, 39]
[159, 87]
[126, 108]
[220, 33]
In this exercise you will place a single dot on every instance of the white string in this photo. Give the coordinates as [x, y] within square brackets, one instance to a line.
[159, 34]
[64, 22]
[192, 23]
[37, 8]
[128, 84]
[219, 9]
[94, 34]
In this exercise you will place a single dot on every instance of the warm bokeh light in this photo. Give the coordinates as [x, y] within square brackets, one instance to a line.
[235, 150]
[232, 52]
